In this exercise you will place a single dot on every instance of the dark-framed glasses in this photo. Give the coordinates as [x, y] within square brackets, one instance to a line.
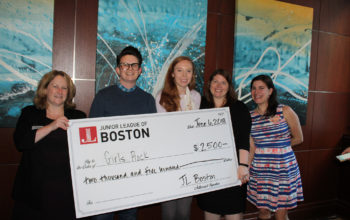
[126, 66]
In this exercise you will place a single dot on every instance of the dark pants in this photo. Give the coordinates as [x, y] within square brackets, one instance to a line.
[128, 214]
[23, 211]
[179, 209]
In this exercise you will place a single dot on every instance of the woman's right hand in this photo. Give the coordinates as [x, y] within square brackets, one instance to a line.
[243, 174]
[61, 122]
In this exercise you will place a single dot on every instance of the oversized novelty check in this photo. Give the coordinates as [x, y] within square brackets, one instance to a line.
[129, 161]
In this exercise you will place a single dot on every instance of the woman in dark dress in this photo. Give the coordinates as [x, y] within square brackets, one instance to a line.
[228, 202]
[43, 186]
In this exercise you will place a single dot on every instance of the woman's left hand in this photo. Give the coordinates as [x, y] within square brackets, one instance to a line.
[243, 174]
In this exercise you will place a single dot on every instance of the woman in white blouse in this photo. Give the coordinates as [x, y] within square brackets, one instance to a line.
[178, 94]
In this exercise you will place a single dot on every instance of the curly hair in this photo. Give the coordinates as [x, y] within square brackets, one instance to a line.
[40, 98]
[170, 98]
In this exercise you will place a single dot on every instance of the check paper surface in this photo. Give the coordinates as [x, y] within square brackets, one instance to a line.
[129, 161]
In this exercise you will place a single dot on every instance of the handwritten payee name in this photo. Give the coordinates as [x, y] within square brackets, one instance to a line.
[119, 158]
[114, 159]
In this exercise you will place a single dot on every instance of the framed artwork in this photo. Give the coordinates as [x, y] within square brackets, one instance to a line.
[26, 32]
[274, 38]
[161, 29]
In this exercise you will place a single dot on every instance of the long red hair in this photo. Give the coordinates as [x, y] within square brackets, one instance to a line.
[170, 98]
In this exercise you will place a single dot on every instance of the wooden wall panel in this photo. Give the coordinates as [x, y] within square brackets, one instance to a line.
[85, 39]
[8, 173]
[314, 210]
[333, 63]
[322, 176]
[303, 162]
[85, 95]
[222, 7]
[8, 153]
[75, 46]
[220, 36]
[307, 128]
[63, 36]
[335, 16]
[211, 41]
[330, 119]
[9, 158]
[225, 44]
[85, 53]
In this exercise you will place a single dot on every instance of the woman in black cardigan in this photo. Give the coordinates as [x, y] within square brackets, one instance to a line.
[228, 202]
[43, 186]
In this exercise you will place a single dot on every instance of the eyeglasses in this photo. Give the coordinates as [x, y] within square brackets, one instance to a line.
[126, 66]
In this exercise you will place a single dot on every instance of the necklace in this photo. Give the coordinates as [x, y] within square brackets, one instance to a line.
[260, 112]
[219, 103]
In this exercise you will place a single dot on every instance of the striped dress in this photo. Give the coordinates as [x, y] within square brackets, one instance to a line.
[275, 181]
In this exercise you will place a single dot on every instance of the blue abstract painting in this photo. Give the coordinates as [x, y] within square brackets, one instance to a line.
[161, 29]
[274, 38]
[25, 53]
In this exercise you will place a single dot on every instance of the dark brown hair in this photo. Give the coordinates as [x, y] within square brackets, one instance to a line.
[230, 95]
[272, 102]
[129, 50]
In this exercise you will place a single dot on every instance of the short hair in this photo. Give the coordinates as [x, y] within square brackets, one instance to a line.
[272, 102]
[231, 96]
[130, 50]
[40, 98]
[170, 98]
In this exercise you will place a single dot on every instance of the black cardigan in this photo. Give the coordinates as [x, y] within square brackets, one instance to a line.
[241, 122]
[44, 170]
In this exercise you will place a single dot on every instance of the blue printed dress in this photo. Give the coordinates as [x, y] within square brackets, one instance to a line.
[275, 181]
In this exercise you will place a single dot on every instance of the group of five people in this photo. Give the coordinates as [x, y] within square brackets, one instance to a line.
[264, 137]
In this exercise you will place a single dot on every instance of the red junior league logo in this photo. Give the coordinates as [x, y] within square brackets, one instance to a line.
[88, 135]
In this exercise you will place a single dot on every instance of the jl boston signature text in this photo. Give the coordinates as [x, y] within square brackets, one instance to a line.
[196, 179]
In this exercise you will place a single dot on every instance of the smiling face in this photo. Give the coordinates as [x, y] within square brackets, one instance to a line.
[219, 87]
[127, 74]
[56, 91]
[183, 73]
[260, 92]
